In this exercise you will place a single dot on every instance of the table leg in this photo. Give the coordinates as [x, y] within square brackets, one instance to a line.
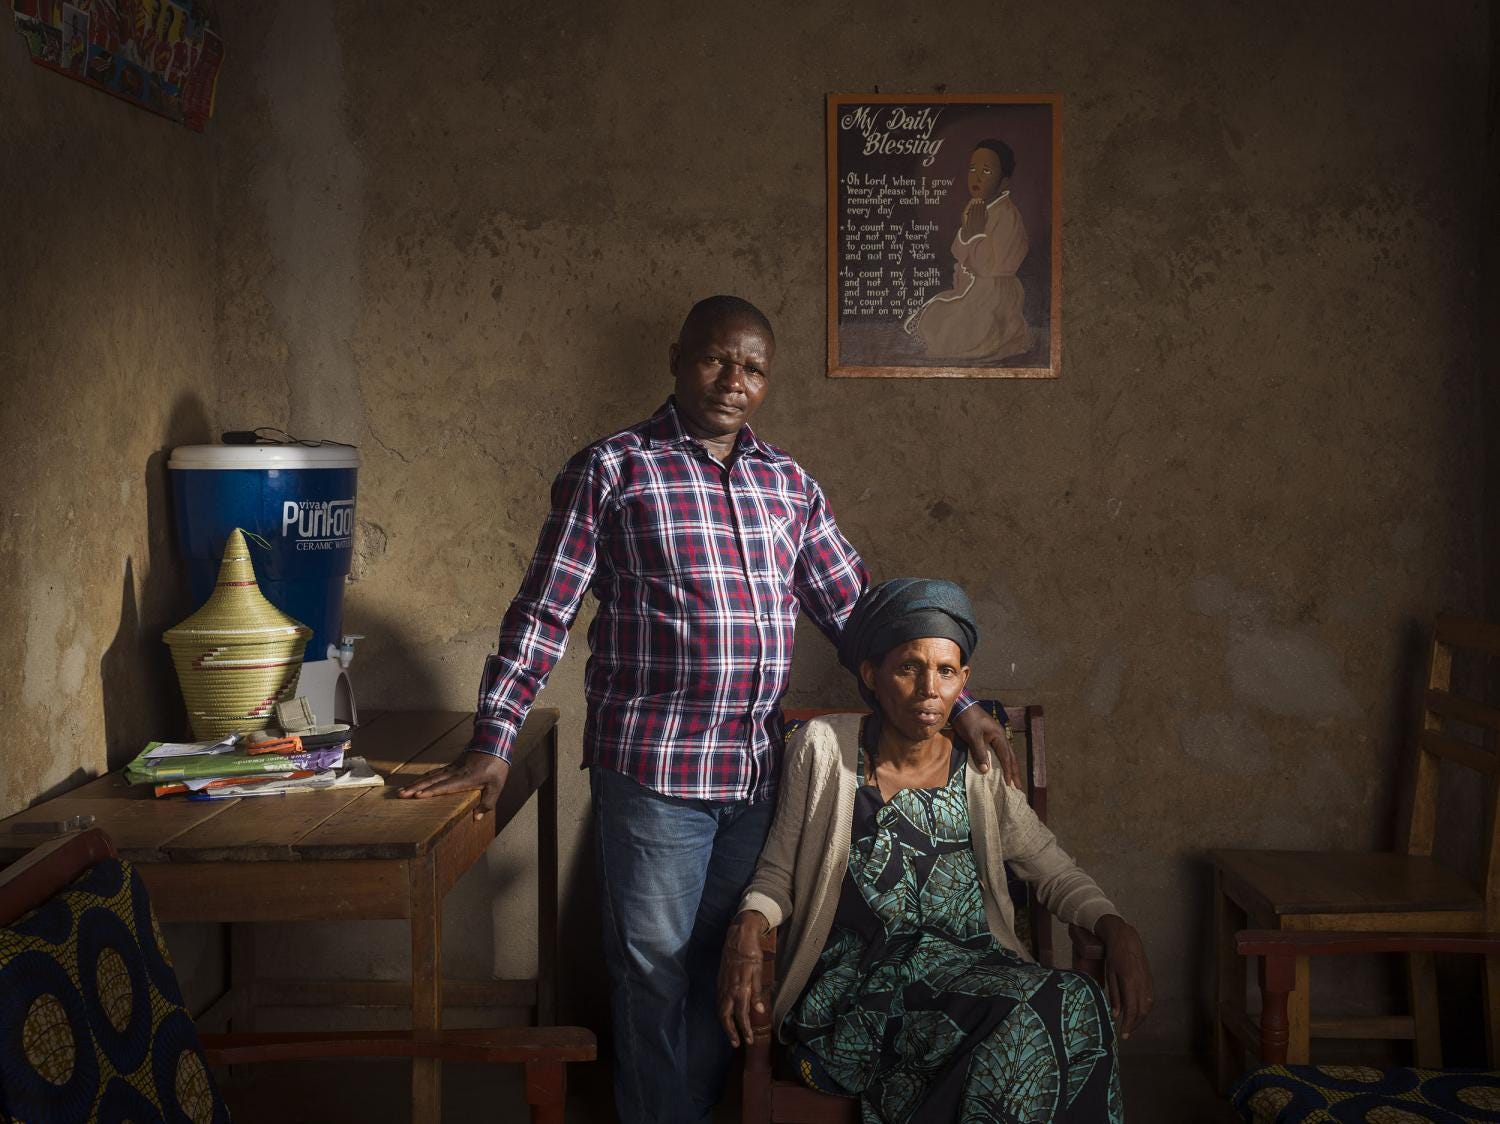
[1492, 1010]
[241, 989]
[1229, 992]
[1299, 1014]
[1422, 988]
[546, 890]
[242, 976]
[546, 1091]
[426, 986]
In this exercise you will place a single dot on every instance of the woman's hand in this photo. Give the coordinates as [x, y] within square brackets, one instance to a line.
[984, 736]
[483, 771]
[974, 216]
[739, 977]
[1126, 970]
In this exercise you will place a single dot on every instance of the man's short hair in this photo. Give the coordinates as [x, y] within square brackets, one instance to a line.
[714, 310]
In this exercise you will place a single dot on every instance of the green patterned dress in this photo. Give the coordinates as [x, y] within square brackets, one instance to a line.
[915, 1006]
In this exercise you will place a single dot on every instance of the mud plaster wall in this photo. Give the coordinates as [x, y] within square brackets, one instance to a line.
[106, 303]
[463, 236]
[1208, 548]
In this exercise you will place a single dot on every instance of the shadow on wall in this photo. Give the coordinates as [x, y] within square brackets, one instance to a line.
[633, 343]
[1462, 839]
[141, 698]
[67, 784]
[405, 678]
[583, 983]
[1407, 695]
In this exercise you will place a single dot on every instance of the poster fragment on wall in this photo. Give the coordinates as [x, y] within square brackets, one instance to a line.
[161, 55]
[944, 243]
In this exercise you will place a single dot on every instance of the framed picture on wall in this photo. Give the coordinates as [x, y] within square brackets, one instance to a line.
[944, 236]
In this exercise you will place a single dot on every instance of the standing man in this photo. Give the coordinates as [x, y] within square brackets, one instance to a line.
[701, 543]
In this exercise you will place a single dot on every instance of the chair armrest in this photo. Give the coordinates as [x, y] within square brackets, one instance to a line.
[761, 1023]
[1280, 951]
[755, 1103]
[1088, 952]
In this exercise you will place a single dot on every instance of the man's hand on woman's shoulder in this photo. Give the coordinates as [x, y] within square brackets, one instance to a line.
[984, 736]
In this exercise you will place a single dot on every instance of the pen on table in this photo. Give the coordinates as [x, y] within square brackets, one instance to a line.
[228, 795]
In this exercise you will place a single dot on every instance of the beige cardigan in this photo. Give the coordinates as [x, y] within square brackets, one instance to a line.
[801, 869]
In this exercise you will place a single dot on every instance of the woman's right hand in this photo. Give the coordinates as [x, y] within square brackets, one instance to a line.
[739, 977]
[974, 217]
[1126, 970]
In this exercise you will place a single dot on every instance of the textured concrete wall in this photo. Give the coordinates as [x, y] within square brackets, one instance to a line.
[107, 285]
[463, 235]
[106, 297]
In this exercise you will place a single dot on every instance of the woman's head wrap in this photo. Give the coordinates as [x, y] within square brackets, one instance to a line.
[903, 609]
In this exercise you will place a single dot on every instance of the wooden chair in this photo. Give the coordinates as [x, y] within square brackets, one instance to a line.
[55, 868]
[1311, 891]
[767, 1096]
[1303, 1092]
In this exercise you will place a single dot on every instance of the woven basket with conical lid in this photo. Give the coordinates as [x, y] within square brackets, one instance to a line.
[238, 655]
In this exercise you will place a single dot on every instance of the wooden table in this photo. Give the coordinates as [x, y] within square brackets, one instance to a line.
[356, 855]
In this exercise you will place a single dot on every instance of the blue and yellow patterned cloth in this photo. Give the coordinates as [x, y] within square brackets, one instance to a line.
[92, 1025]
[1351, 1094]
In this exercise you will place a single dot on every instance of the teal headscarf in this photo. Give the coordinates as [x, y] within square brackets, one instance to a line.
[903, 609]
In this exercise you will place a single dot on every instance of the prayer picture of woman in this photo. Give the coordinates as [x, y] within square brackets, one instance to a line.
[982, 315]
[944, 243]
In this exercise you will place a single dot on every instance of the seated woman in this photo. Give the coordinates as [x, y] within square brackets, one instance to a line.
[902, 979]
[983, 315]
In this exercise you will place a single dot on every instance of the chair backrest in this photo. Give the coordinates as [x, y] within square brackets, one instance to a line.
[44, 871]
[1028, 738]
[1446, 715]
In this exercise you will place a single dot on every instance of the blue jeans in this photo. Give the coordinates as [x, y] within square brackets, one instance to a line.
[671, 874]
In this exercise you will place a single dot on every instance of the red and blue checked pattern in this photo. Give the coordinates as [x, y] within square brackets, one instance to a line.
[699, 571]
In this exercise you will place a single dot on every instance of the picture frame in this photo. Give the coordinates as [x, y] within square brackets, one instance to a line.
[944, 235]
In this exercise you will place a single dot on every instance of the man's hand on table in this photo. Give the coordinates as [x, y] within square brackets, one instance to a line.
[471, 771]
[984, 736]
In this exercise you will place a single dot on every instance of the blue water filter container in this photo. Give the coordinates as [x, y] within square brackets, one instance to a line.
[299, 498]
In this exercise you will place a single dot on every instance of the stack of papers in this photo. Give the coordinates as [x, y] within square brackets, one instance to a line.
[224, 771]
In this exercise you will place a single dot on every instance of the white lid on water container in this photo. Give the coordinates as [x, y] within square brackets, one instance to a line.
[210, 457]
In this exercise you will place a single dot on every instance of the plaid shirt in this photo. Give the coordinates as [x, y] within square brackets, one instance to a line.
[699, 570]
